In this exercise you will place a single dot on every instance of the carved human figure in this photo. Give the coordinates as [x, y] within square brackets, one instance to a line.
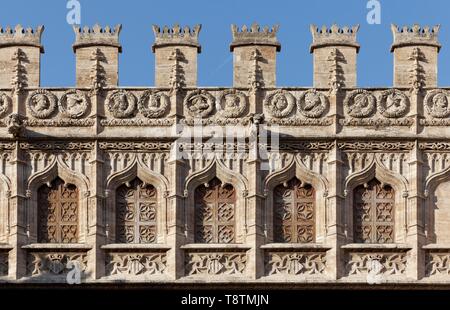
[440, 102]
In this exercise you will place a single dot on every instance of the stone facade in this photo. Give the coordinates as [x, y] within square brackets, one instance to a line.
[326, 185]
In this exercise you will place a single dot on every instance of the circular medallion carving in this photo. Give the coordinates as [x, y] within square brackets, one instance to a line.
[393, 104]
[360, 103]
[436, 103]
[312, 104]
[199, 103]
[42, 103]
[153, 104]
[280, 103]
[5, 104]
[233, 103]
[121, 104]
[73, 103]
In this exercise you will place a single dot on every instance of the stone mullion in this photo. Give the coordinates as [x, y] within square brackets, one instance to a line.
[335, 211]
[19, 221]
[96, 226]
[415, 221]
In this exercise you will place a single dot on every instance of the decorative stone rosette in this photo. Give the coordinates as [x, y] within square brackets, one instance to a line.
[393, 104]
[153, 104]
[74, 104]
[42, 104]
[233, 103]
[121, 103]
[360, 103]
[5, 104]
[312, 104]
[199, 103]
[437, 104]
[279, 104]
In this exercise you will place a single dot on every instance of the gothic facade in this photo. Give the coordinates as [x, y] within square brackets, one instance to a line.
[330, 184]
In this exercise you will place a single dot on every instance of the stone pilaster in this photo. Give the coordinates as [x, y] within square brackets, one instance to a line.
[19, 222]
[96, 226]
[176, 234]
[415, 215]
[335, 217]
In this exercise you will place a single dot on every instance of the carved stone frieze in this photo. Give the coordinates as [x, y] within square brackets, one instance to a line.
[54, 264]
[136, 264]
[295, 263]
[207, 264]
[386, 264]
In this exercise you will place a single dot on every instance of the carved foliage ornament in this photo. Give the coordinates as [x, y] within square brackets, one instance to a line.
[312, 104]
[5, 104]
[436, 103]
[153, 104]
[393, 104]
[233, 103]
[280, 103]
[73, 103]
[121, 104]
[360, 103]
[42, 104]
[199, 103]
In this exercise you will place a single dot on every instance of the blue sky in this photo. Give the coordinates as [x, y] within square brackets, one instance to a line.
[294, 66]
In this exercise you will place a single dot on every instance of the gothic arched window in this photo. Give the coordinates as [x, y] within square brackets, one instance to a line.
[373, 214]
[136, 211]
[294, 212]
[215, 204]
[58, 213]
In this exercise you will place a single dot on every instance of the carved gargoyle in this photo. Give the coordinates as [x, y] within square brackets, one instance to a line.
[15, 125]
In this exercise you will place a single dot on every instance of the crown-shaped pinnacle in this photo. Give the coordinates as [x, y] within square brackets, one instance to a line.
[255, 35]
[176, 36]
[334, 36]
[21, 36]
[415, 35]
[97, 36]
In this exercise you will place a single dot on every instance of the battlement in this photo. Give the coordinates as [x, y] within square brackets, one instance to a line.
[415, 35]
[20, 36]
[97, 36]
[176, 36]
[334, 35]
[254, 35]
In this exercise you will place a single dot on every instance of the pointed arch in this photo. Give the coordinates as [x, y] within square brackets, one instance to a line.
[57, 169]
[377, 170]
[216, 169]
[296, 169]
[137, 169]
